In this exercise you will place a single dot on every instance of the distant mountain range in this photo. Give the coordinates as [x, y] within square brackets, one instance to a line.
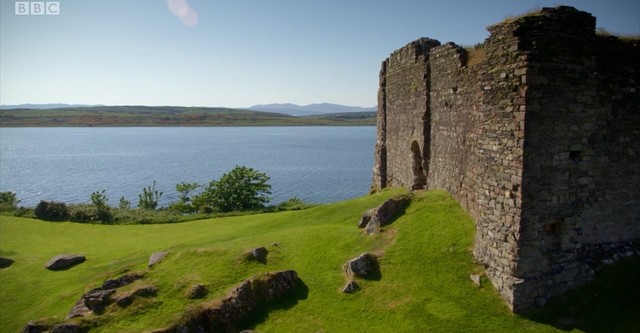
[285, 108]
[311, 109]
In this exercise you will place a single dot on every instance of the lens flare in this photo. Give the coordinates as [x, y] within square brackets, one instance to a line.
[181, 9]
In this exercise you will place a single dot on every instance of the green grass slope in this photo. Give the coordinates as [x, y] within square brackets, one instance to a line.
[424, 284]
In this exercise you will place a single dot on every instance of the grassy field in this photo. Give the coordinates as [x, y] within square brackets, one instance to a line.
[170, 116]
[424, 284]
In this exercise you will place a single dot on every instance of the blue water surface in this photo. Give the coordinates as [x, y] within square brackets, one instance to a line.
[315, 164]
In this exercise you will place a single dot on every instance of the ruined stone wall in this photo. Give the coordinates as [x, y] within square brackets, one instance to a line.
[402, 117]
[477, 133]
[536, 134]
[581, 174]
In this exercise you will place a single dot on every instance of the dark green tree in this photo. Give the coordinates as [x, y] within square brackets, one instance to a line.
[99, 199]
[242, 188]
[103, 211]
[124, 203]
[8, 201]
[184, 189]
[149, 197]
[184, 206]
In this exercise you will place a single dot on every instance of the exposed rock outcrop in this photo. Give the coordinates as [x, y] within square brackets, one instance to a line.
[245, 301]
[476, 279]
[351, 287]
[34, 327]
[121, 281]
[197, 291]
[157, 257]
[97, 299]
[258, 254]
[364, 266]
[127, 298]
[65, 261]
[382, 215]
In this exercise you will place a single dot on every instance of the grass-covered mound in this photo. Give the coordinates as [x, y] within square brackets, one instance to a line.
[423, 286]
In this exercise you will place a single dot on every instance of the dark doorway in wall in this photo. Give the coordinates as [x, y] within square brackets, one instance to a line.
[419, 178]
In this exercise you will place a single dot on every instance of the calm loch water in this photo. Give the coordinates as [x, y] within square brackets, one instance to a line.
[316, 164]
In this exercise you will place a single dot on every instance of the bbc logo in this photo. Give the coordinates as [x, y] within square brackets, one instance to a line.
[37, 8]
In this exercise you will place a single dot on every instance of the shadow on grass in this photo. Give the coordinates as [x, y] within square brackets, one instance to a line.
[398, 214]
[375, 274]
[610, 303]
[299, 292]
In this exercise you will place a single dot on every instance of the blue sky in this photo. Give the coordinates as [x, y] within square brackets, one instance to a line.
[237, 53]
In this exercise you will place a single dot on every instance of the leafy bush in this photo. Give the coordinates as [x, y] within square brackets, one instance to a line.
[205, 210]
[181, 208]
[52, 211]
[242, 188]
[83, 213]
[291, 204]
[8, 201]
[90, 213]
[184, 206]
[144, 216]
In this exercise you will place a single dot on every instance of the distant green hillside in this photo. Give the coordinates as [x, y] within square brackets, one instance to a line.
[424, 284]
[163, 116]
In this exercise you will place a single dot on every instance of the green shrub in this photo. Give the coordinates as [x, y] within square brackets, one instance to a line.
[83, 213]
[149, 197]
[99, 199]
[124, 203]
[8, 201]
[240, 189]
[181, 208]
[52, 211]
[90, 213]
[205, 210]
[291, 204]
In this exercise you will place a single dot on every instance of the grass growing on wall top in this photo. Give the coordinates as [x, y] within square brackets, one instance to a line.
[424, 284]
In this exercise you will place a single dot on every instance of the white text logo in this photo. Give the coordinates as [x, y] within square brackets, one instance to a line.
[37, 8]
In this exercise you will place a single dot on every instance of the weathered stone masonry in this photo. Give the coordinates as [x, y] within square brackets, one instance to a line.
[536, 134]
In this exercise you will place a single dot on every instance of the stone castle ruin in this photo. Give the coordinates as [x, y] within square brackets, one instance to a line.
[536, 133]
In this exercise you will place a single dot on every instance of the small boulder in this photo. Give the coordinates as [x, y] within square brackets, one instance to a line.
[476, 279]
[98, 299]
[198, 291]
[94, 300]
[157, 257]
[366, 218]
[5, 262]
[362, 266]
[382, 215]
[147, 291]
[121, 281]
[65, 261]
[259, 254]
[351, 287]
[124, 301]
